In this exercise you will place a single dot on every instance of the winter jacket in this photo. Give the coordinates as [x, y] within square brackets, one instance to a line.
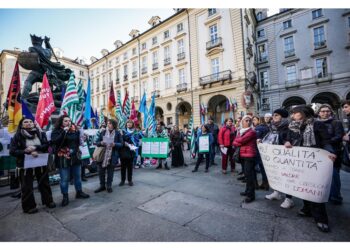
[280, 132]
[214, 130]
[18, 145]
[261, 130]
[211, 140]
[227, 135]
[118, 142]
[322, 137]
[336, 131]
[247, 143]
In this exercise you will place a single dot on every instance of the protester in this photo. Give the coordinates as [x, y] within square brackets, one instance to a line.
[336, 131]
[111, 155]
[306, 131]
[214, 130]
[30, 141]
[176, 142]
[161, 133]
[204, 132]
[246, 141]
[128, 152]
[277, 135]
[225, 139]
[66, 141]
[268, 118]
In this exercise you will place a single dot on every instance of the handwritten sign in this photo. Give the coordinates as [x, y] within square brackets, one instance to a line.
[302, 172]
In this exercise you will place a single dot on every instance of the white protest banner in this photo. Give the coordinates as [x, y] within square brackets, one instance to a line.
[90, 132]
[302, 172]
[34, 162]
[203, 144]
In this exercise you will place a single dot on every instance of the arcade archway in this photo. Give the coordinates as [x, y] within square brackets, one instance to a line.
[217, 108]
[183, 114]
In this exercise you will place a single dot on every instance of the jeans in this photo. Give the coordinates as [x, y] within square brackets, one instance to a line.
[64, 174]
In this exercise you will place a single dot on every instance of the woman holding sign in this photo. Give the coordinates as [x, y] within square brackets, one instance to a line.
[112, 140]
[204, 141]
[66, 141]
[246, 141]
[29, 144]
[306, 131]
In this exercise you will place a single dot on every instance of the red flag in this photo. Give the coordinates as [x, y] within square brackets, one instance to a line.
[133, 114]
[14, 101]
[111, 102]
[46, 105]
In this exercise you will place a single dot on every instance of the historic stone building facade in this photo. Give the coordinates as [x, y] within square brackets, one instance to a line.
[195, 57]
[303, 57]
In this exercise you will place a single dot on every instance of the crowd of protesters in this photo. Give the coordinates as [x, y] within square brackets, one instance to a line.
[237, 143]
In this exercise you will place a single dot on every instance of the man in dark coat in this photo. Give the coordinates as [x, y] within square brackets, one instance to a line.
[214, 130]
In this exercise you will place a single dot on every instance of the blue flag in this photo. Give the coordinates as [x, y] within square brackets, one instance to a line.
[87, 112]
[25, 111]
[143, 109]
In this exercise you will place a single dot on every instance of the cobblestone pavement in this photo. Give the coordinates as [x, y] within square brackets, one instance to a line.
[174, 205]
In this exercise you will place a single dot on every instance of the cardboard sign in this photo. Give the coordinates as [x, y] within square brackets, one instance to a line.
[302, 172]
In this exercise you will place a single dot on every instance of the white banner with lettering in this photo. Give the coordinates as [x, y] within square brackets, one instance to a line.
[302, 172]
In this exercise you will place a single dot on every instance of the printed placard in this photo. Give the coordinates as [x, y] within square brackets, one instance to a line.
[203, 144]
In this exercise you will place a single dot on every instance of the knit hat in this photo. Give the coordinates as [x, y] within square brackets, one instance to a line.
[281, 112]
[267, 115]
[304, 109]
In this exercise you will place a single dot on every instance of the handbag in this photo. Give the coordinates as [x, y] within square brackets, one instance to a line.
[236, 155]
[99, 154]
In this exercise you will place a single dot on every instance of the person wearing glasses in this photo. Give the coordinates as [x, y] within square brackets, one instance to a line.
[336, 131]
[246, 141]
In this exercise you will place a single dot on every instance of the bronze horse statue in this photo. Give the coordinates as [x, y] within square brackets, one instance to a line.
[38, 60]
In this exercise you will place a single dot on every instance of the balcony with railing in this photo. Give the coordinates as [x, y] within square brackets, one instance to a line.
[320, 44]
[154, 66]
[292, 83]
[181, 87]
[216, 77]
[117, 81]
[134, 74]
[144, 70]
[167, 61]
[181, 56]
[125, 78]
[323, 77]
[213, 43]
[289, 53]
[103, 86]
[156, 93]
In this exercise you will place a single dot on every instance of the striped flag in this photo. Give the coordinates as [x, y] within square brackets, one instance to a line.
[79, 120]
[191, 137]
[151, 122]
[14, 106]
[71, 99]
[119, 113]
[101, 117]
[126, 105]
[133, 114]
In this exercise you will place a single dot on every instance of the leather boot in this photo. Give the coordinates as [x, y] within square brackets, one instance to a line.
[65, 200]
[81, 195]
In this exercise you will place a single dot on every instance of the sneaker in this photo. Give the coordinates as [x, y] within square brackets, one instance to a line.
[274, 196]
[287, 203]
